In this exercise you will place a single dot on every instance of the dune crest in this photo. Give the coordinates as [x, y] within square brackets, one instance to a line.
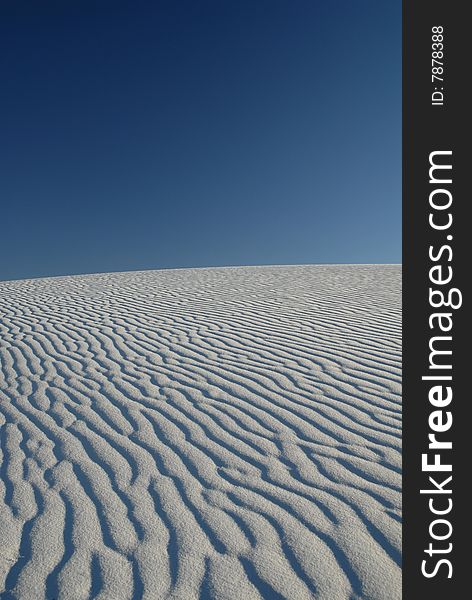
[226, 433]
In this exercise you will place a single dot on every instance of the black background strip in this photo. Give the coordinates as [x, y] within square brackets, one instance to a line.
[428, 128]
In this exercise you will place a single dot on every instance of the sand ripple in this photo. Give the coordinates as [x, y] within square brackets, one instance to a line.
[213, 433]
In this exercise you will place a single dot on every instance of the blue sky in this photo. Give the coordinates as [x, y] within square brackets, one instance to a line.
[181, 133]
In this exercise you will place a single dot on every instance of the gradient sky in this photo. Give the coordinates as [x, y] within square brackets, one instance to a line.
[179, 133]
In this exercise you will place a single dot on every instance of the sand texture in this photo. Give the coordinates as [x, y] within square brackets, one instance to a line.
[228, 434]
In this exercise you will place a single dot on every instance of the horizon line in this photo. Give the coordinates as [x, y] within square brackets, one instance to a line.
[91, 274]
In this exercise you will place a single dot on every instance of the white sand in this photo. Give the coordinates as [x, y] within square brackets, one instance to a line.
[212, 433]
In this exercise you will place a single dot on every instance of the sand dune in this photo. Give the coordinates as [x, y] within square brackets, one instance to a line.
[211, 433]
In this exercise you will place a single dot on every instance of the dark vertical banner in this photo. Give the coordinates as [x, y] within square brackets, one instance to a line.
[436, 317]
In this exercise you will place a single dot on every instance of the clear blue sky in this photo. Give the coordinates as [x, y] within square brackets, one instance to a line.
[154, 134]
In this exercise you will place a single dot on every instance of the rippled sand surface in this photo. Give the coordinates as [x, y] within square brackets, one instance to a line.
[226, 433]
